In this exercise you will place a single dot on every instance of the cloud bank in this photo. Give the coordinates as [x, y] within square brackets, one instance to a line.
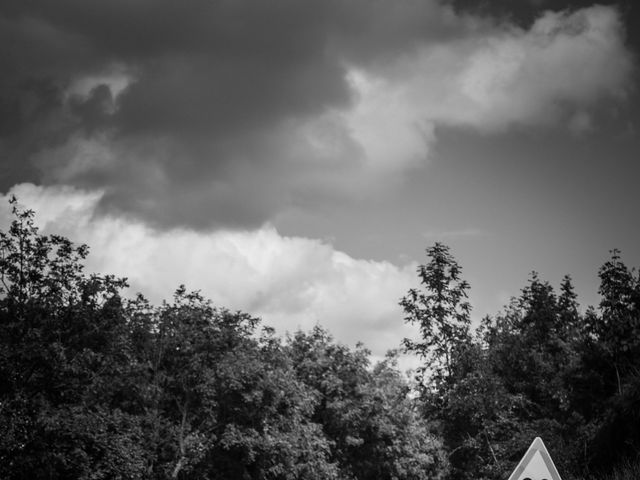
[224, 114]
[291, 282]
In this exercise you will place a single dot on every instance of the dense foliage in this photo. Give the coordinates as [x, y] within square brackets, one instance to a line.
[95, 385]
[539, 368]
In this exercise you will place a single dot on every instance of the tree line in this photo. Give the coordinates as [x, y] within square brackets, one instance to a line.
[539, 368]
[97, 385]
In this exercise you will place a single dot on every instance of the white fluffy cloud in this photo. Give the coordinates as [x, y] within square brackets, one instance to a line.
[290, 282]
[490, 79]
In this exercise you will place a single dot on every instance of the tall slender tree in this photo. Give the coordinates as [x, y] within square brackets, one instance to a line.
[440, 309]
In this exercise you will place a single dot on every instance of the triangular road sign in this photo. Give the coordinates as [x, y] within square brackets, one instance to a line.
[536, 464]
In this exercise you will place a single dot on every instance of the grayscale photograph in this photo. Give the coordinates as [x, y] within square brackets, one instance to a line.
[319, 240]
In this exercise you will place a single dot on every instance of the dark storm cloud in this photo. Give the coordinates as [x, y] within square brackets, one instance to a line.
[524, 12]
[192, 112]
[212, 86]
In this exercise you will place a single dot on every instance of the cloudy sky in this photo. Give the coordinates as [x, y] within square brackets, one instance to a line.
[294, 158]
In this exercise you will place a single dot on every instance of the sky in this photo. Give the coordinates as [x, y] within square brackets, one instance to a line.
[295, 158]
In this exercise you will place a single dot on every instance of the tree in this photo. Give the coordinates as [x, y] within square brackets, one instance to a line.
[610, 368]
[67, 409]
[266, 428]
[442, 313]
[617, 329]
[510, 383]
[185, 342]
[223, 402]
[480, 420]
[375, 429]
